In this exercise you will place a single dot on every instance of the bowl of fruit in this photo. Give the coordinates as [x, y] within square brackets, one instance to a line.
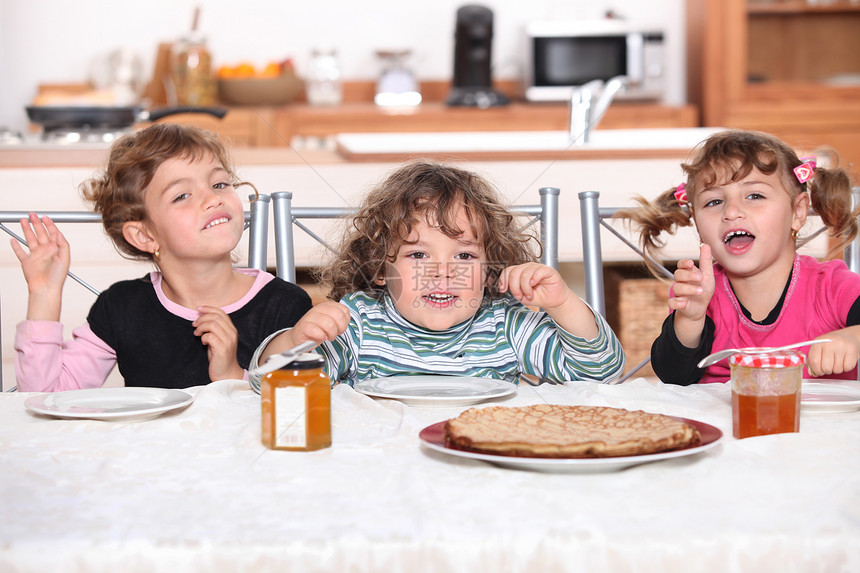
[244, 84]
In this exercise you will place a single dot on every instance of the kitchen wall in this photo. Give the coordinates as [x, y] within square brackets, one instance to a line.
[56, 41]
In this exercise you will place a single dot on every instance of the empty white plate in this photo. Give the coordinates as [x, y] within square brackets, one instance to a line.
[436, 390]
[830, 396]
[109, 403]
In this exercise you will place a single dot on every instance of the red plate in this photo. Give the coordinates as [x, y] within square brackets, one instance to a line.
[433, 436]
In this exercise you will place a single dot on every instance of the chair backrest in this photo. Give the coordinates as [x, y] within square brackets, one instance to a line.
[285, 215]
[256, 221]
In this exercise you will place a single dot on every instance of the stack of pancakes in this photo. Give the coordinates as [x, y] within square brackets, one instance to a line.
[553, 431]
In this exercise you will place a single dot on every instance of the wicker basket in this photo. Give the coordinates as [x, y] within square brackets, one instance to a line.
[635, 309]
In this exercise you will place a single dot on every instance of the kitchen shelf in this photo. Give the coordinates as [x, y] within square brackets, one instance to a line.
[793, 8]
[788, 68]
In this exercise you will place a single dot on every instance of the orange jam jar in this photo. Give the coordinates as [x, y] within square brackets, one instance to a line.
[766, 393]
[296, 406]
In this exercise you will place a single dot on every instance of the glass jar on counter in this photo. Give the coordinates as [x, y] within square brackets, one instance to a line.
[191, 72]
[296, 406]
[324, 81]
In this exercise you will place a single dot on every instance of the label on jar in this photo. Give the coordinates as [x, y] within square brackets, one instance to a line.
[290, 417]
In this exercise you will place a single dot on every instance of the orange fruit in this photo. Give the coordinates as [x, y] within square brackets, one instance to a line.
[245, 70]
[272, 70]
[226, 72]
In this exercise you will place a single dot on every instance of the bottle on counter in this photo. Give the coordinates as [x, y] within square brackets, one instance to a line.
[191, 69]
[296, 406]
[324, 81]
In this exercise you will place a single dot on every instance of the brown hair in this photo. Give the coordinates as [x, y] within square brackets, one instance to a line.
[427, 192]
[118, 192]
[729, 156]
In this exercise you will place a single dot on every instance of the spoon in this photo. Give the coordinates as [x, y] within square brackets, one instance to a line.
[276, 361]
[717, 356]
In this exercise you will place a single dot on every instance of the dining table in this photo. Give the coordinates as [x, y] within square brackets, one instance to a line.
[194, 489]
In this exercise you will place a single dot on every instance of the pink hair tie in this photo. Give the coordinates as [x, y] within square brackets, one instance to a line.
[806, 170]
[681, 194]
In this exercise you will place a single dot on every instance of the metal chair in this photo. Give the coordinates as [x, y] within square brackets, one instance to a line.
[286, 216]
[256, 221]
[594, 216]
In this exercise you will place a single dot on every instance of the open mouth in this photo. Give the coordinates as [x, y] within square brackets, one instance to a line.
[216, 222]
[738, 239]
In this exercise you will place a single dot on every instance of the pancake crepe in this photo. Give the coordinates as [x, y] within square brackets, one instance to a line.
[553, 431]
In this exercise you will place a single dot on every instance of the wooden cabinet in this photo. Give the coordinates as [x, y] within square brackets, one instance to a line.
[791, 68]
[242, 127]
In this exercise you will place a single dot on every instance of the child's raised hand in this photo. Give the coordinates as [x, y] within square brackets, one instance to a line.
[694, 286]
[322, 322]
[535, 284]
[44, 266]
[836, 357]
[221, 338]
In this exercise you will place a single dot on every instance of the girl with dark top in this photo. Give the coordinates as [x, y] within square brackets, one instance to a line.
[167, 195]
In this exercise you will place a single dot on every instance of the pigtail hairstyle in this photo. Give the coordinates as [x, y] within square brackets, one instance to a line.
[830, 195]
[665, 214]
[729, 156]
[423, 192]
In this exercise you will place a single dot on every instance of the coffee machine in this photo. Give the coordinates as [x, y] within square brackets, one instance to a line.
[473, 39]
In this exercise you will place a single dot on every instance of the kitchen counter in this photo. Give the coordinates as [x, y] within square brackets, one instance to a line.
[90, 155]
[94, 156]
[283, 126]
[436, 116]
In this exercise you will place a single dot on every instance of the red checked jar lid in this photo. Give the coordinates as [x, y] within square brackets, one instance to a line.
[768, 360]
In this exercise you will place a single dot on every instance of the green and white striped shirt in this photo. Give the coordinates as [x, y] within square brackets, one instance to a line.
[503, 339]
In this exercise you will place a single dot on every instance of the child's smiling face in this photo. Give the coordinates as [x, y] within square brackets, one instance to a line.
[748, 223]
[437, 281]
[193, 208]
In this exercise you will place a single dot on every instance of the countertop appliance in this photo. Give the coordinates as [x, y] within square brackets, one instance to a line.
[473, 42]
[562, 55]
[100, 124]
[397, 86]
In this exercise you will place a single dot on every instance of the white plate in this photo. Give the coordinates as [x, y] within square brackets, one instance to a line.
[436, 390]
[433, 437]
[109, 403]
[830, 396]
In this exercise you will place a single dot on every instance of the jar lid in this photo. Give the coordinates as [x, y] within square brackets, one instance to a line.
[768, 360]
[305, 362]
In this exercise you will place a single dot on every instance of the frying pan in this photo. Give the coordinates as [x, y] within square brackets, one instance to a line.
[107, 117]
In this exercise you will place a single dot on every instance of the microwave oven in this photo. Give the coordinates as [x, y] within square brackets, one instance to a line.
[562, 55]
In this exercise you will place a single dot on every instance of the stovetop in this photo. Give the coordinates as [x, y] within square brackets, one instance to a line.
[58, 139]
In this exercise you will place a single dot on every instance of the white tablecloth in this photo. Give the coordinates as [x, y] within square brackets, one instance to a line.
[195, 490]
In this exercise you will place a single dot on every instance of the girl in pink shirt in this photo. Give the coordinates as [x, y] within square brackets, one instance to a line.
[748, 195]
[168, 195]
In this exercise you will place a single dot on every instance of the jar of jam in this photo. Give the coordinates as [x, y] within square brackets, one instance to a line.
[296, 406]
[766, 392]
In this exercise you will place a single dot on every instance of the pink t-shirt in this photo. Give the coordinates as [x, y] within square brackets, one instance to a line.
[46, 363]
[817, 302]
